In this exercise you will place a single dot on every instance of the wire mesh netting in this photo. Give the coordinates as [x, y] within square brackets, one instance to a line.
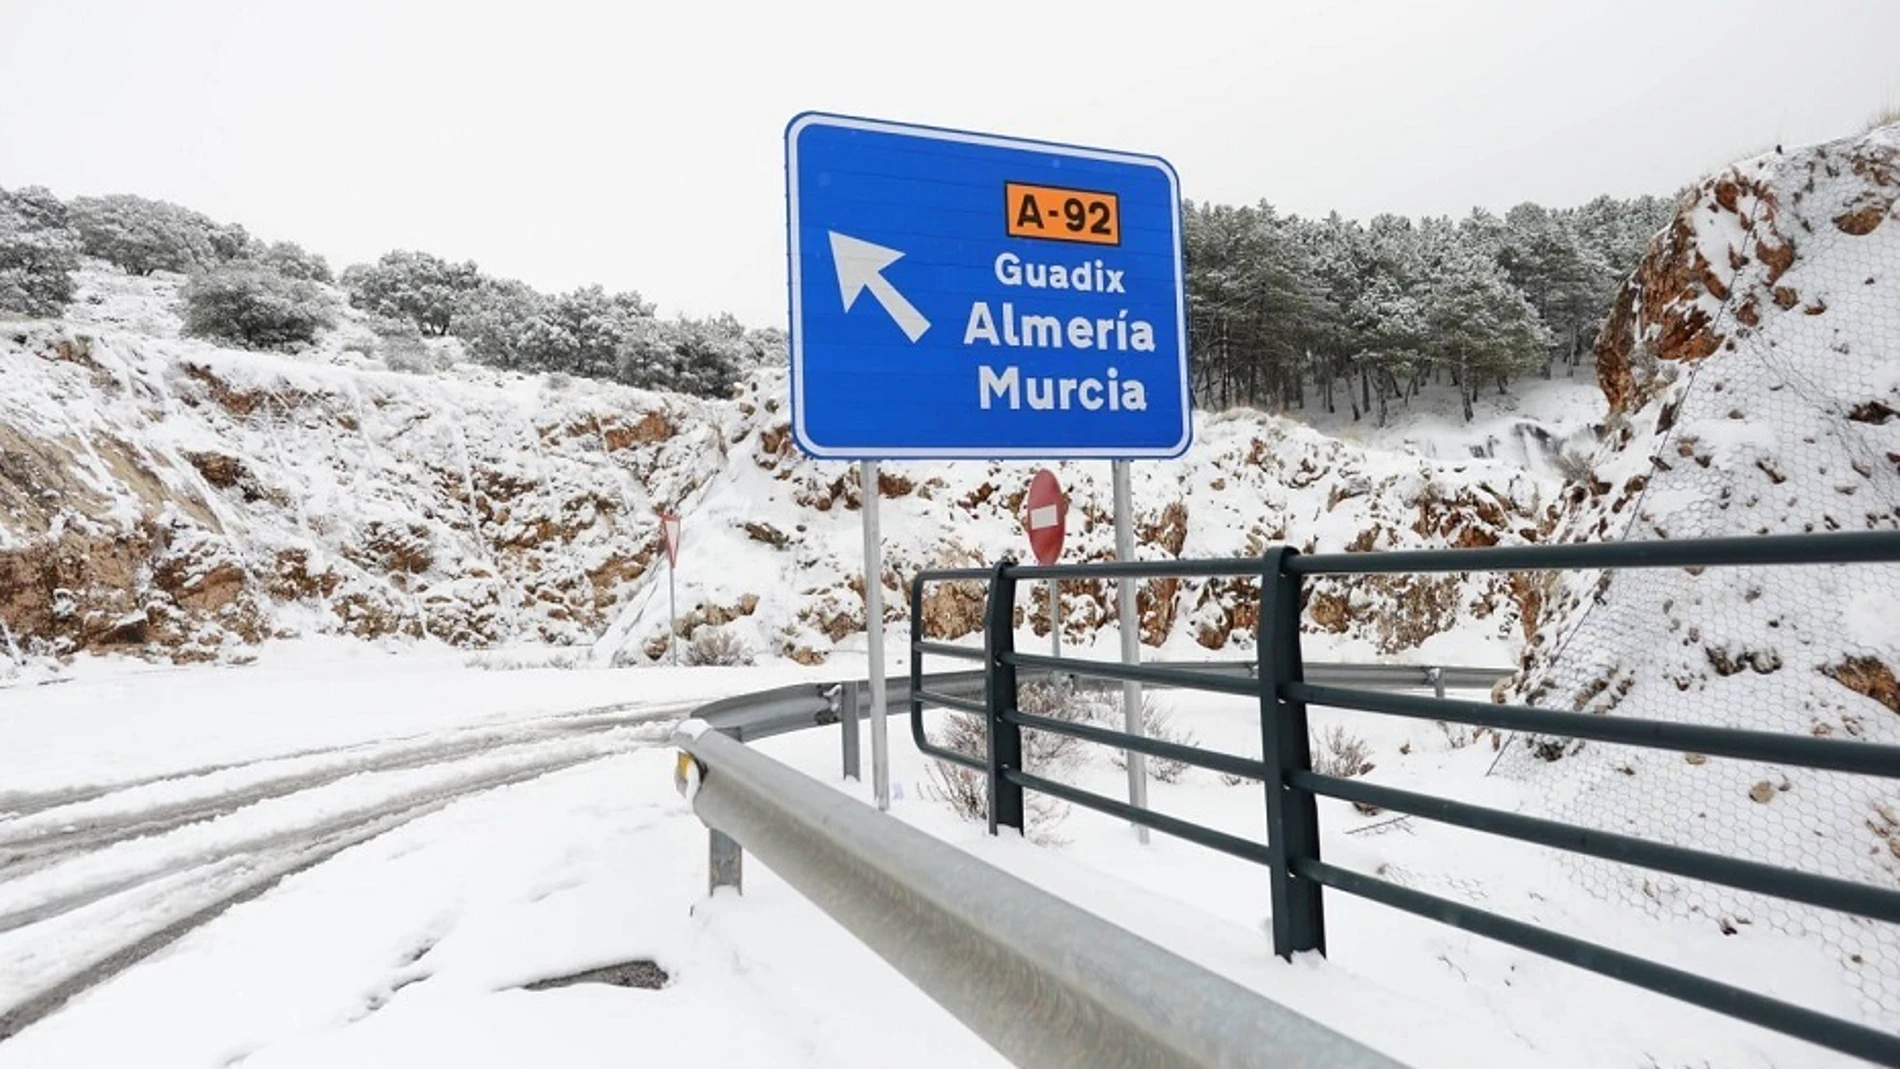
[1790, 424]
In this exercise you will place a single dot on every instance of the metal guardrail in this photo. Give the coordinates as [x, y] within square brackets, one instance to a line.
[1284, 689]
[1084, 994]
[763, 714]
[1043, 982]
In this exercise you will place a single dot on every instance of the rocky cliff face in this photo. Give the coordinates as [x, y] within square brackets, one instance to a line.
[167, 497]
[1752, 369]
[162, 496]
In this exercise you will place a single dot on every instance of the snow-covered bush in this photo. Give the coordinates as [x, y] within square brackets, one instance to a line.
[717, 647]
[38, 253]
[141, 236]
[582, 332]
[292, 260]
[401, 347]
[255, 308]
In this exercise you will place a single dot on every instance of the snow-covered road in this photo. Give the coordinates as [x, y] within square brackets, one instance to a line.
[373, 863]
[137, 805]
[88, 885]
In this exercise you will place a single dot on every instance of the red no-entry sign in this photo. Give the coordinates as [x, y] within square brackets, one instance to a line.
[1047, 516]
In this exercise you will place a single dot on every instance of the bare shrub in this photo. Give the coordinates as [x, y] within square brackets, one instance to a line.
[1341, 753]
[515, 660]
[1156, 723]
[1463, 735]
[1048, 750]
[1336, 752]
[1235, 779]
[1574, 466]
[966, 790]
[717, 647]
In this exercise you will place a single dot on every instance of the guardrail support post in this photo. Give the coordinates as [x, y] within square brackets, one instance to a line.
[725, 863]
[999, 696]
[1292, 816]
[847, 699]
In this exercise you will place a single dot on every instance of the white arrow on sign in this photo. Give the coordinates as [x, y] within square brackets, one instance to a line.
[861, 267]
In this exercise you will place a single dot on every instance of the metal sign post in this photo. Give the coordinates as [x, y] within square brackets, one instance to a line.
[670, 534]
[874, 632]
[1055, 619]
[1131, 641]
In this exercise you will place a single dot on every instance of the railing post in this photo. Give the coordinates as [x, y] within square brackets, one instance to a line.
[999, 697]
[846, 697]
[725, 863]
[1292, 817]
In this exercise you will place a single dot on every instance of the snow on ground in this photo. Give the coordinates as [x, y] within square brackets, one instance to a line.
[413, 950]
[1425, 993]
[415, 946]
[1532, 426]
[119, 720]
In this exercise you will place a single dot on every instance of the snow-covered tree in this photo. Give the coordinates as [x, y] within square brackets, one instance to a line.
[292, 260]
[425, 289]
[1479, 325]
[1261, 314]
[39, 251]
[493, 321]
[141, 236]
[1389, 324]
[696, 356]
[255, 307]
[581, 332]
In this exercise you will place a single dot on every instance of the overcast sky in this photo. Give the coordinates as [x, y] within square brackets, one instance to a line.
[639, 145]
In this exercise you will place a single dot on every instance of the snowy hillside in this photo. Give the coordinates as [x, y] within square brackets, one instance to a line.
[1751, 371]
[162, 494]
[167, 496]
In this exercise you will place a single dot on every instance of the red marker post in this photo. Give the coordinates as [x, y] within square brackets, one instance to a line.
[1047, 518]
[670, 534]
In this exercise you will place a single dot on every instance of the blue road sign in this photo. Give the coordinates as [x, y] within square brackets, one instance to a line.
[963, 295]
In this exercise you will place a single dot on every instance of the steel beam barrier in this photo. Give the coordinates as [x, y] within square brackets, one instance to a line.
[1043, 982]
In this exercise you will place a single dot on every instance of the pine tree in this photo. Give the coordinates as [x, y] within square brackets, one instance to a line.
[1479, 325]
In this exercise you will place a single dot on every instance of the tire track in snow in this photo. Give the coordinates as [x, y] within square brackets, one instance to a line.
[187, 913]
[30, 851]
[15, 805]
[90, 888]
[181, 891]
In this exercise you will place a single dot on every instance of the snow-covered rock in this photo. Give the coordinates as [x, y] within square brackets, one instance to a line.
[1752, 368]
[166, 495]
